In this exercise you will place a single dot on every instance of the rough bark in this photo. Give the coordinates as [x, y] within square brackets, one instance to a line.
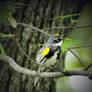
[38, 14]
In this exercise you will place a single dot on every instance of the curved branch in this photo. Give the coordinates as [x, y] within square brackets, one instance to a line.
[20, 69]
[15, 66]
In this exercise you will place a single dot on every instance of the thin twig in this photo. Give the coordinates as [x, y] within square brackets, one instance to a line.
[39, 30]
[87, 67]
[77, 27]
[78, 47]
[34, 61]
[24, 52]
[76, 57]
[83, 46]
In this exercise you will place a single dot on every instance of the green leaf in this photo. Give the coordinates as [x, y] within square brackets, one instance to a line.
[7, 35]
[69, 42]
[8, 7]
[12, 21]
[65, 16]
[2, 50]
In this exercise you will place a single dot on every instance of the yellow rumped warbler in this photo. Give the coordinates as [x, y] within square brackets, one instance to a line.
[48, 54]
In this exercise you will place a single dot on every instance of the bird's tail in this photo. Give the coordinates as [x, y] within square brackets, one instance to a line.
[36, 79]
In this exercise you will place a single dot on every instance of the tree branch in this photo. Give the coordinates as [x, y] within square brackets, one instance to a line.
[20, 69]
[87, 67]
[39, 30]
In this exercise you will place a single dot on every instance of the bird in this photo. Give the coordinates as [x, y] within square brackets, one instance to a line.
[48, 55]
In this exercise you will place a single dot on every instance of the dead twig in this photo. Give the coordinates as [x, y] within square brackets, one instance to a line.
[83, 46]
[34, 61]
[77, 27]
[35, 28]
[87, 67]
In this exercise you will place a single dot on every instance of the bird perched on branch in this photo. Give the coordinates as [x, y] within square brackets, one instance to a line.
[48, 54]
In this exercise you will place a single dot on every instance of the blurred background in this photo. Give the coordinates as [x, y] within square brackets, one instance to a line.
[45, 14]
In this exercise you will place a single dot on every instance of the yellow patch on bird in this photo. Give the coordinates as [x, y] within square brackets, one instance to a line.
[46, 51]
[57, 34]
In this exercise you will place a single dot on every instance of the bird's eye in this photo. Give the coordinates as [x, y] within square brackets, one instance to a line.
[56, 40]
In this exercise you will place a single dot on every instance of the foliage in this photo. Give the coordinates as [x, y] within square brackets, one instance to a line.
[12, 21]
[71, 17]
[2, 49]
[65, 16]
[68, 42]
[71, 61]
[7, 9]
[7, 35]
[85, 35]
[63, 85]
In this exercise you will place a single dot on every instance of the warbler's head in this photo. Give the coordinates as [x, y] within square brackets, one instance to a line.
[56, 39]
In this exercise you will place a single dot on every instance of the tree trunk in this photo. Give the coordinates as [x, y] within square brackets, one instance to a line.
[38, 14]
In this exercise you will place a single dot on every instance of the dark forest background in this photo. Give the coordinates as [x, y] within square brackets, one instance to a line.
[43, 14]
